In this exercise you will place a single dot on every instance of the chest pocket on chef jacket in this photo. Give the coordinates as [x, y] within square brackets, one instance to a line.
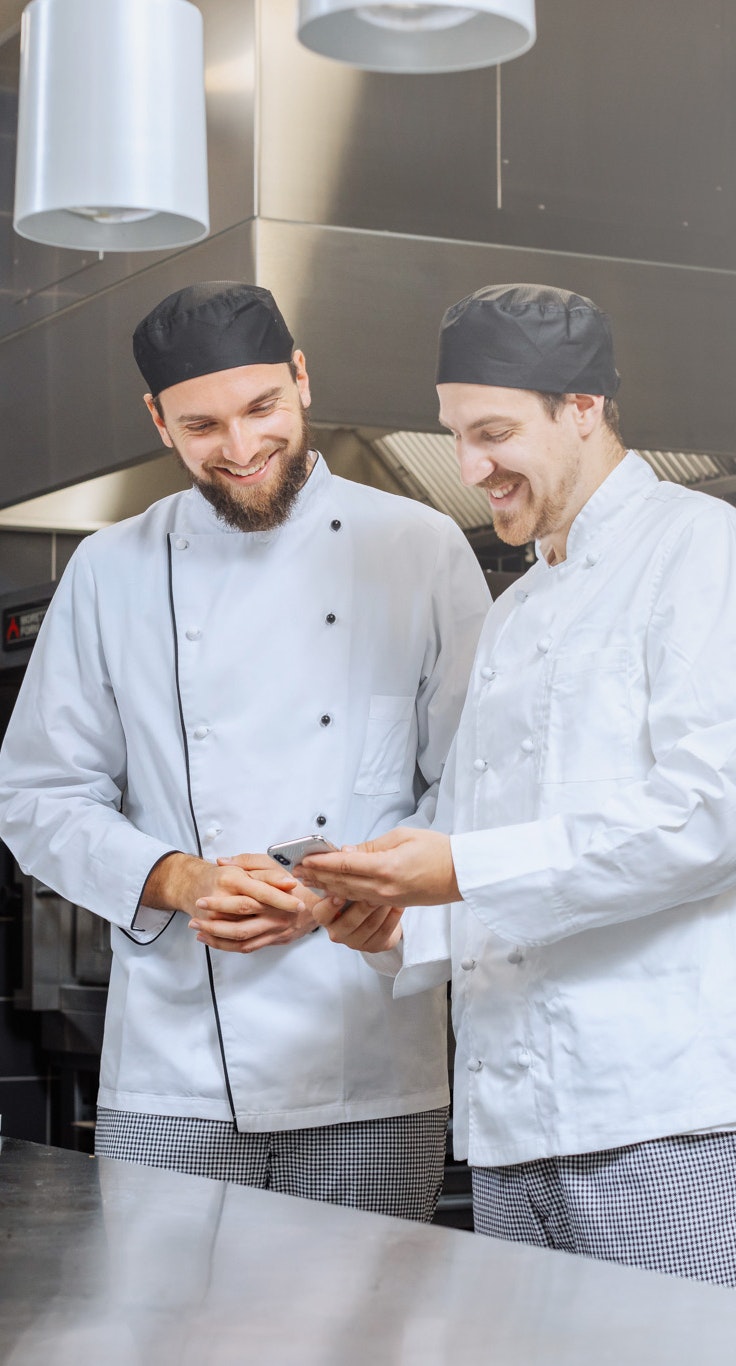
[588, 727]
[386, 740]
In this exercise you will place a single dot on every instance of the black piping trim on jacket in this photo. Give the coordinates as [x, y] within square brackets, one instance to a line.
[143, 943]
[210, 973]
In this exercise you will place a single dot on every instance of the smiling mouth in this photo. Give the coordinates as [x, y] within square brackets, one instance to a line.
[250, 475]
[503, 493]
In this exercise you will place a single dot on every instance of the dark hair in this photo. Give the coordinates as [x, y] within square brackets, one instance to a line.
[159, 406]
[553, 403]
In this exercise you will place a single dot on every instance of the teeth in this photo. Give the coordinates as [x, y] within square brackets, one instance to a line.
[255, 469]
[502, 492]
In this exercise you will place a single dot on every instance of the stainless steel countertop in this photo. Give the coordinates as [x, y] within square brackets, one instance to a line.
[119, 1265]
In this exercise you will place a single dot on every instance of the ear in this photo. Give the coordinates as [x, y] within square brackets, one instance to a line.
[587, 411]
[158, 422]
[302, 378]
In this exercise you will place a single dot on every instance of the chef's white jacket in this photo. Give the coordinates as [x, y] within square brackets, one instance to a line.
[200, 689]
[594, 794]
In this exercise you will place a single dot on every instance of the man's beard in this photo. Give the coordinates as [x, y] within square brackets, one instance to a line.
[538, 518]
[255, 508]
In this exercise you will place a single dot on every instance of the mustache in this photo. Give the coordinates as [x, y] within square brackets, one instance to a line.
[258, 459]
[498, 481]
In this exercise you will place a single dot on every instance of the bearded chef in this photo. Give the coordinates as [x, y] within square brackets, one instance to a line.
[275, 651]
[592, 800]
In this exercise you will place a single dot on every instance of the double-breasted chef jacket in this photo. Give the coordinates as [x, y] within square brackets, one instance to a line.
[592, 792]
[205, 690]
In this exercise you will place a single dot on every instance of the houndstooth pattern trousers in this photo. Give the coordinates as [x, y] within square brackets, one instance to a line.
[667, 1205]
[390, 1166]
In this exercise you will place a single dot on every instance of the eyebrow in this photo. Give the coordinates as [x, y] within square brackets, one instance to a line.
[263, 397]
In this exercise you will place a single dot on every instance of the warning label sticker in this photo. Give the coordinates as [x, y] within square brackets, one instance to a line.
[21, 625]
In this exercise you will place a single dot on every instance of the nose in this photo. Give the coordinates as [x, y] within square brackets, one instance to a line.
[475, 465]
[240, 444]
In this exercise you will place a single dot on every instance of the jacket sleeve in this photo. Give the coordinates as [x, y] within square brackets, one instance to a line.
[458, 605]
[63, 768]
[656, 843]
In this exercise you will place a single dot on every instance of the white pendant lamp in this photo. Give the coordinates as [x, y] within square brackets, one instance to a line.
[437, 35]
[112, 148]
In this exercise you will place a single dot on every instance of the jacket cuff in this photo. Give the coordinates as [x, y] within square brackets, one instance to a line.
[507, 878]
[426, 958]
[147, 922]
[387, 963]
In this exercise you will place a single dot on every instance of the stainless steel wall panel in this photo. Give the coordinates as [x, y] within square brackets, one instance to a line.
[366, 308]
[70, 400]
[9, 44]
[617, 137]
[357, 149]
[10, 13]
[25, 559]
[618, 132]
[38, 281]
[230, 79]
[8, 107]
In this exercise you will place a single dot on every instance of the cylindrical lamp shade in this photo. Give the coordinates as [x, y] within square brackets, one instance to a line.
[112, 144]
[409, 38]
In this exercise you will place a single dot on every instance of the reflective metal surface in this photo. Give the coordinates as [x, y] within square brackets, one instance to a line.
[368, 203]
[612, 136]
[366, 309]
[616, 132]
[103, 1261]
[358, 149]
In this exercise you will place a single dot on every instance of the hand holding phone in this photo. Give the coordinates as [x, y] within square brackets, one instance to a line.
[291, 852]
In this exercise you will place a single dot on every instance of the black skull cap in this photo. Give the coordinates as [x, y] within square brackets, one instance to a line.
[207, 327]
[528, 337]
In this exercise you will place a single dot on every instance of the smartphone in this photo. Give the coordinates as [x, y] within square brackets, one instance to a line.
[291, 852]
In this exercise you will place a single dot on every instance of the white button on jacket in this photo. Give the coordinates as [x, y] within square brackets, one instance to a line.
[311, 1035]
[611, 857]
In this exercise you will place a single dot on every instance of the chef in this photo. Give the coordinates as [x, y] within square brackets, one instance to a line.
[591, 798]
[271, 653]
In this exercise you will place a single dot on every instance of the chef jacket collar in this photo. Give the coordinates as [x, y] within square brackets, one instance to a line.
[611, 500]
[201, 516]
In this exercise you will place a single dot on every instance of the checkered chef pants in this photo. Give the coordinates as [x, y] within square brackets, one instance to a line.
[389, 1166]
[668, 1205]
